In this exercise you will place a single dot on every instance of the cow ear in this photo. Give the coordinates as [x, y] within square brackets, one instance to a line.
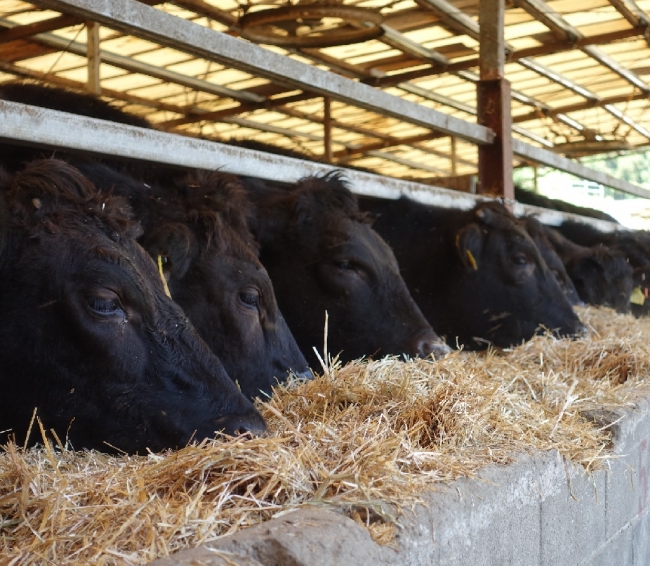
[469, 242]
[175, 244]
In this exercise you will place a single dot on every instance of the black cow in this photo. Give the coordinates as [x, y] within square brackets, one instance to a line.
[601, 275]
[200, 231]
[633, 245]
[477, 275]
[538, 232]
[214, 273]
[88, 336]
[535, 199]
[323, 256]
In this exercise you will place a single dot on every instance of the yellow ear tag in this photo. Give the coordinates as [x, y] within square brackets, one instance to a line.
[471, 259]
[637, 298]
[162, 276]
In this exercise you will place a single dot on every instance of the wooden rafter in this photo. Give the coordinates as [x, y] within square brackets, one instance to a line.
[565, 31]
[27, 30]
[559, 46]
[579, 106]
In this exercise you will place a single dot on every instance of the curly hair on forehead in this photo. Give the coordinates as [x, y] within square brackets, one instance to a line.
[331, 193]
[316, 213]
[50, 195]
[216, 205]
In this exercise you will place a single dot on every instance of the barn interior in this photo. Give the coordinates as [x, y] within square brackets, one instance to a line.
[576, 75]
[437, 99]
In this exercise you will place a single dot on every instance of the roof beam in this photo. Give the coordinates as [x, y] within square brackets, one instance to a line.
[456, 19]
[406, 162]
[541, 11]
[49, 128]
[202, 8]
[577, 107]
[391, 37]
[193, 114]
[27, 30]
[368, 132]
[352, 151]
[626, 120]
[568, 84]
[279, 105]
[157, 26]
[538, 51]
[550, 159]
[26, 73]
[134, 66]
[470, 27]
[631, 12]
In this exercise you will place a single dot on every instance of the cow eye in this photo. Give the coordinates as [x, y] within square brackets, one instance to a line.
[105, 306]
[520, 259]
[344, 264]
[250, 298]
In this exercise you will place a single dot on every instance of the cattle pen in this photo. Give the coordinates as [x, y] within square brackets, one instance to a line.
[536, 454]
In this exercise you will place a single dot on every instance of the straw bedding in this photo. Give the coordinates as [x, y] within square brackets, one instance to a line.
[357, 437]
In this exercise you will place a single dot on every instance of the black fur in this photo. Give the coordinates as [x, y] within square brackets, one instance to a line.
[323, 256]
[477, 275]
[88, 337]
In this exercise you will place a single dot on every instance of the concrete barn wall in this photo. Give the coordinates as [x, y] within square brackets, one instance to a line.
[538, 511]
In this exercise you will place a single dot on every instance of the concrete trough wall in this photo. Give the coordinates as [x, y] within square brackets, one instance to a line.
[538, 510]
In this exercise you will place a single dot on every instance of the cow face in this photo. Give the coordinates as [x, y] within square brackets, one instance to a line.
[89, 338]
[635, 248]
[214, 274]
[324, 257]
[602, 277]
[507, 290]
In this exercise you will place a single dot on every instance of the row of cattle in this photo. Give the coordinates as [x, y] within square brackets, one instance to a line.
[141, 308]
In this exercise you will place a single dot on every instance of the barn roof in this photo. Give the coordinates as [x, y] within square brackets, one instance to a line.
[578, 71]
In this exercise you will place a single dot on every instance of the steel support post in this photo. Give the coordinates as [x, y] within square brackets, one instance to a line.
[495, 160]
[493, 98]
[327, 129]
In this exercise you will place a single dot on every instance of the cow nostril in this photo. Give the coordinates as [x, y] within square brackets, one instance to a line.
[428, 343]
[440, 350]
[307, 374]
[236, 425]
[581, 331]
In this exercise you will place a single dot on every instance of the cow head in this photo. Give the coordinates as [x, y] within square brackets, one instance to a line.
[88, 336]
[324, 257]
[209, 257]
[634, 246]
[504, 291]
[602, 275]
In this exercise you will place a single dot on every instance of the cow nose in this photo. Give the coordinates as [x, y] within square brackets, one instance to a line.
[426, 343]
[307, 374]
[440, 350]
[581, 331]
[234, 425]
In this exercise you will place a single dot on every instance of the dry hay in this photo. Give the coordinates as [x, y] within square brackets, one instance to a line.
[359, 436]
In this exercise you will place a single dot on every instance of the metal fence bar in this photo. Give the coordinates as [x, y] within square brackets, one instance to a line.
[30, 125]
[550, 159]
